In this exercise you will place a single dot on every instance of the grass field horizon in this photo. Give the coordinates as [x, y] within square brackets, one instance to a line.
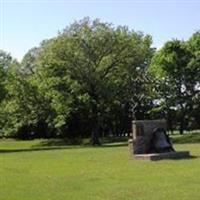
[40, 171]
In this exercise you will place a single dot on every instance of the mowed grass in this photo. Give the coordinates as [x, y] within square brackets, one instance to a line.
[29, 170]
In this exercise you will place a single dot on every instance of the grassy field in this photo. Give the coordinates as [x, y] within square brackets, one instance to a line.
[50, 170]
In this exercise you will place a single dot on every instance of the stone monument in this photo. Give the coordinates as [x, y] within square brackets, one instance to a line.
[151, 142]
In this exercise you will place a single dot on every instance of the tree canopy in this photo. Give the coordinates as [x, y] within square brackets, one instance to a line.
[93, 79]
[176, 68]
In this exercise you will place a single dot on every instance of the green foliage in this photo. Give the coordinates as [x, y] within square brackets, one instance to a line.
[176, 71]
[86, 81]
[91, 68]
[5, 62]
[93, 79]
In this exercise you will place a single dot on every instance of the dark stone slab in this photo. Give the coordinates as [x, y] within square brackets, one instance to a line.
[147, 138]
[143, 132]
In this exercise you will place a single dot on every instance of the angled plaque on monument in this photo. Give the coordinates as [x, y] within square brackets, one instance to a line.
[151, 142]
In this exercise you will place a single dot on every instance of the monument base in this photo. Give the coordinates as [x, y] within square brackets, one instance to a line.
[160, 156]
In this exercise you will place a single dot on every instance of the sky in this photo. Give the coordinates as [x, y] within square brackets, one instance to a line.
[25, 23]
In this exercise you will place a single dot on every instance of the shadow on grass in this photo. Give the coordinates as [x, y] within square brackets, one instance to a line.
[59, 144]
[34, 149]
[79, 143]
[121, 144]
[190, 157]
[187, 138]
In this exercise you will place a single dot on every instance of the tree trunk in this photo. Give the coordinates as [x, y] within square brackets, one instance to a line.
[182, 120]
[181, 130]
[95, 136]
[95, 126]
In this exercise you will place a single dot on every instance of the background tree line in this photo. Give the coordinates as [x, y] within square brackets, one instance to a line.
[93, 79]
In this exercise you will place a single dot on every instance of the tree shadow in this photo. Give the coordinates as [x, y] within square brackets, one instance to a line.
[59, 144]
[186, 139]
[75, 143]
[114, 145]
[63, 142]
[34, 149]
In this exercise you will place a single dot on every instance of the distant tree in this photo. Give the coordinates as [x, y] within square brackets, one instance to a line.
[176, 69]
[23, 108]
[194, 46]
[5, 61]
[29, 62]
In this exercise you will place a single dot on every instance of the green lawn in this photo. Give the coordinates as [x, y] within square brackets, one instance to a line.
[48, 170]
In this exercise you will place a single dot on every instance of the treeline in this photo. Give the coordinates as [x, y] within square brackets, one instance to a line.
[93, 79]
